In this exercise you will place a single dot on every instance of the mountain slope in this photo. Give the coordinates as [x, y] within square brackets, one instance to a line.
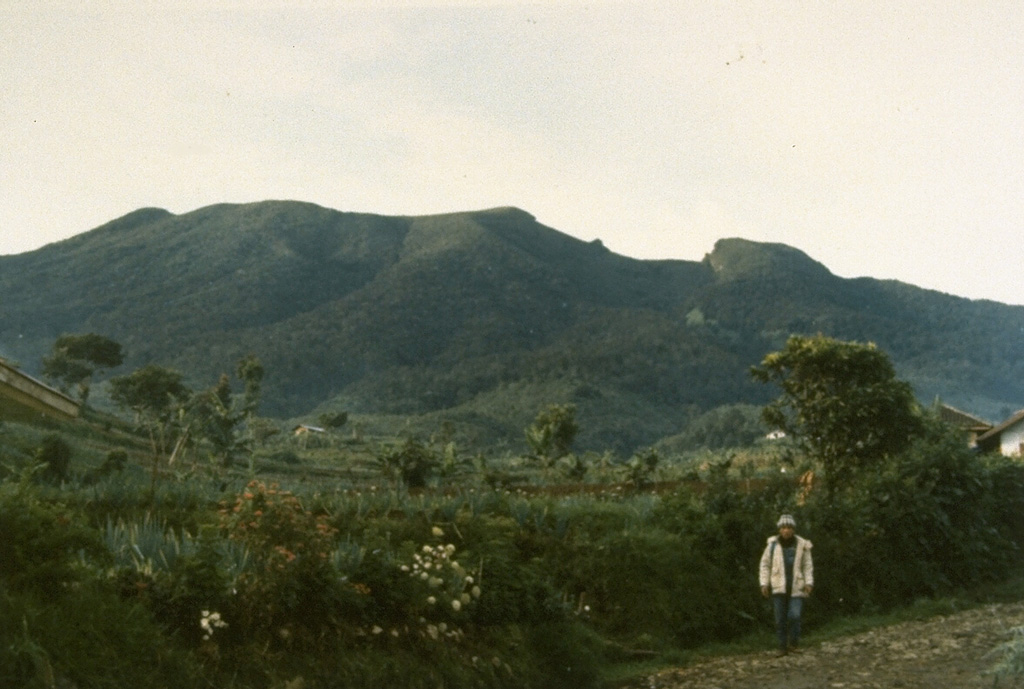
[480, 318]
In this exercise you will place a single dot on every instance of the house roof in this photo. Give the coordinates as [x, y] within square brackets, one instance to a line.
[22, 396]
[997, 430]
[963, 419]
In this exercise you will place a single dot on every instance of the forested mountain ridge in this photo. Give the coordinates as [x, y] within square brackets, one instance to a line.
[480, 318]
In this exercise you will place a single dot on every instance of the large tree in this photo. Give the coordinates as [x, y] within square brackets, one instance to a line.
[841, 401]
[77, 357]
[158, 397]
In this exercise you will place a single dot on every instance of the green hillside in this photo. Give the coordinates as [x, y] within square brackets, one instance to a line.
[480, 318]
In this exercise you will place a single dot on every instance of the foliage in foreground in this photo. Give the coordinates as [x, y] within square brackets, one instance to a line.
[261, 585]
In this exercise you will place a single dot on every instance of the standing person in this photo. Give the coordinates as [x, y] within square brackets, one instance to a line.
[787, 577]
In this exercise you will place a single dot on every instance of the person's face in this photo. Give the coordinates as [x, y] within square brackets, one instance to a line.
[786, 532]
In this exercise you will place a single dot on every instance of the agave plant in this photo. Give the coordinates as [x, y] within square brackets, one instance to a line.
[1009, 657]
[147, 545]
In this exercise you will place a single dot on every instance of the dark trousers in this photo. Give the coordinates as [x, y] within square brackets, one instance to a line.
[787, 619]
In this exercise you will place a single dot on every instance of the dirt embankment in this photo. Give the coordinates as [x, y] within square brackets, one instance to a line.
[946, 652]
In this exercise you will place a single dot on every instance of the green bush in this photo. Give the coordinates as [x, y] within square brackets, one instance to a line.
[177, 578]
[87, 638]
[55, 454]
[933, 520]
[290, 584]
[115, 462]
[519, 587]
[59, 620]
[412, 463]
[45, 547]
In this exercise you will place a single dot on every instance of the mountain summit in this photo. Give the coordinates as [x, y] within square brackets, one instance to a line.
[744, 259]
[480, 318]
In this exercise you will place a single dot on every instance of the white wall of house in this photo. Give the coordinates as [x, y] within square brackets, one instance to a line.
[1011, 440]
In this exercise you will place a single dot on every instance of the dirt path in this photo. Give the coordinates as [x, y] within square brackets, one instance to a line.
[947, 652]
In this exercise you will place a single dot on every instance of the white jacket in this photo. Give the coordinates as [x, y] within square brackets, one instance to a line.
[773, 567]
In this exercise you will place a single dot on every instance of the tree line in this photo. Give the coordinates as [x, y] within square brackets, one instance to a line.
[840, 401]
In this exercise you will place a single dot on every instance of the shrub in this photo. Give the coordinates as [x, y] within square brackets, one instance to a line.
[520, 581]
[290, 584]
[114, 463]
[51, 590]
[640, 469]
[45, 547]
[88, 638]
[177, 578]
[932, 520]
[445, 589]
[55, 453]
[412, 463]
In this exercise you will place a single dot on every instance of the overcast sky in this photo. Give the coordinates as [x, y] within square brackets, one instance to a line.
[883, 138]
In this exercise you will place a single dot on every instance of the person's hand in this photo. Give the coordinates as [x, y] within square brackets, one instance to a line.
[808, 589]
[765, 592]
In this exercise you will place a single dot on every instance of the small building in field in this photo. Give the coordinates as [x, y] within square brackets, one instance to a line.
[971, 426]
[303, 429]
[305, 434]
[1007, 438]
[23, 398]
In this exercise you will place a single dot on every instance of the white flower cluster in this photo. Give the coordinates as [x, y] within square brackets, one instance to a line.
[447, 583]
[210, 621]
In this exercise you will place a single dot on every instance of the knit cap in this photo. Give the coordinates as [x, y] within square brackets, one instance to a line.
[786, 520]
